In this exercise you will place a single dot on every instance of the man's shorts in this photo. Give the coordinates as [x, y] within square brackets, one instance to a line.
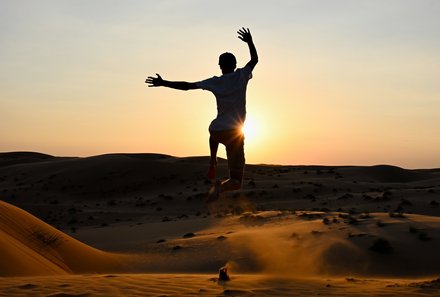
[234, 143]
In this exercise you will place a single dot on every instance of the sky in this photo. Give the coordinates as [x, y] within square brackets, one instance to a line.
[338, 82]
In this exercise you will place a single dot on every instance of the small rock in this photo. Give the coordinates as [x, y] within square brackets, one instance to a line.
[189, 235]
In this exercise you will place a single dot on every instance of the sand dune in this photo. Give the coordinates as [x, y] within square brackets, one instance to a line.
[340, 230]
[7, 159]
[70, 193]
[282, 253]
[389, 174]
[32, 247]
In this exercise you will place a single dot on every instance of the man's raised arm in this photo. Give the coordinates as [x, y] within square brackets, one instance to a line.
[179, 85]
[245, 35]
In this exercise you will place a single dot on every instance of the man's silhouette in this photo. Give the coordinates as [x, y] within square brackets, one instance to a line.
[230, 93]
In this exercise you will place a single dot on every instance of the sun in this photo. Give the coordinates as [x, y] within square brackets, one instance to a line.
[250, 129]
[256, 135]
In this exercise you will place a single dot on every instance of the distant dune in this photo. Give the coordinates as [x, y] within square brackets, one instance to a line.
[114, 214]
[391, 174]
[22, 157]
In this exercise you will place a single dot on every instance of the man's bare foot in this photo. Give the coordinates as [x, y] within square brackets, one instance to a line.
[230, 184]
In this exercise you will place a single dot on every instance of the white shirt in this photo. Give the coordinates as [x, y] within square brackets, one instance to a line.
[230, 93]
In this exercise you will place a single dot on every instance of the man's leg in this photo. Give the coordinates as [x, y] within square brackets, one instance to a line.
[236, 162]
[213, 147]
[234, 142]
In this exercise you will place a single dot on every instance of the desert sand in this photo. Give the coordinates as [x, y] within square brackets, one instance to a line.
[138, 225]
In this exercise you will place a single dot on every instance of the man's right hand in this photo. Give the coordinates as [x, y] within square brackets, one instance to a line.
[154, 81]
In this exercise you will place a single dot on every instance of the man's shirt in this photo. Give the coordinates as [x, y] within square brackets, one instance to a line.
[230, 93]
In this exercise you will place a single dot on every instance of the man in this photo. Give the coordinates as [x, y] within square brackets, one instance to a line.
[230, 92]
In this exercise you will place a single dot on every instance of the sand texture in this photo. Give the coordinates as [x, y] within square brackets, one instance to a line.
[138, 225]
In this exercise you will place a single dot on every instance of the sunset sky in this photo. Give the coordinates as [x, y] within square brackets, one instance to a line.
[338, 83]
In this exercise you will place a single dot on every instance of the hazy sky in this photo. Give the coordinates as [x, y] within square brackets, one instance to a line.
[338, 82]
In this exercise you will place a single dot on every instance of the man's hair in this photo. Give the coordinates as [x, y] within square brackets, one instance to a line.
[227, 60]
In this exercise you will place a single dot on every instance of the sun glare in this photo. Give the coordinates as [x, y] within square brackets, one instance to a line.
[250, 129]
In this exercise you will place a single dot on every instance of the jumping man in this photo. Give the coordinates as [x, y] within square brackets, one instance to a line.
[230, 92]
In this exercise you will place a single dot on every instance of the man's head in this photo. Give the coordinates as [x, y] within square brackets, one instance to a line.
[227, 62]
